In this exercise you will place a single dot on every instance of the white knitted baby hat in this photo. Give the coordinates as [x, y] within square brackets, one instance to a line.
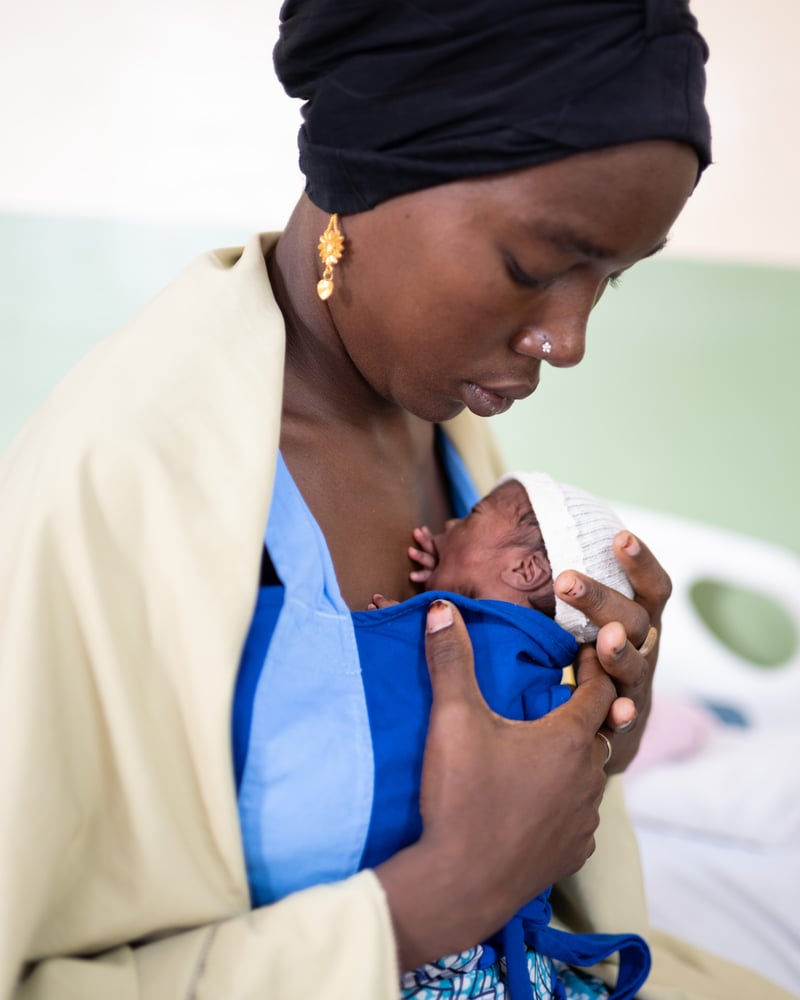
[577, 529]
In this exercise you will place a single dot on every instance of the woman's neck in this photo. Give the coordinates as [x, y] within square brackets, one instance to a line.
[366, 467]
[321, 381]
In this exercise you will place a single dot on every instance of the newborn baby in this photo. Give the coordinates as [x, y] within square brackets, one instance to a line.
[497, 565]
[515, 542]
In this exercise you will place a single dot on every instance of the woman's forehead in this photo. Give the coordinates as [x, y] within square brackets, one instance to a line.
[556, 205]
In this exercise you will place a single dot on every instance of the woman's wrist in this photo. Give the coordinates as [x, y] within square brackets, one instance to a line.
[430, 909]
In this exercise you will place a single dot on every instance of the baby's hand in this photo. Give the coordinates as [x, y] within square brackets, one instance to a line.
[426, 555]
[379, 601]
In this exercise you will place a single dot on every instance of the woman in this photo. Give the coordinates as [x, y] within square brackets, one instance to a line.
[135, 505]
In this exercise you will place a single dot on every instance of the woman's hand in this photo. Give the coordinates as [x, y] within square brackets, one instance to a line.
[625, 626]
[507, 807]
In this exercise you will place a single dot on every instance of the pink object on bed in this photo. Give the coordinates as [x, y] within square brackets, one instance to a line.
[677, 728]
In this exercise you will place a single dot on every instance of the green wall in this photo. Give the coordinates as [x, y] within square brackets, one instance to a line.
[688, 399]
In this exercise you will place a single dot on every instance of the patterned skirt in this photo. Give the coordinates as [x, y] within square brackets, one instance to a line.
[460, 977]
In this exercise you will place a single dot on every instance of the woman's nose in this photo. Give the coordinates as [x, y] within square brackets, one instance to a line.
[557, 332]
[560, 345]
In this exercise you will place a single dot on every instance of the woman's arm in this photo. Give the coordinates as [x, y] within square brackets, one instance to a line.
[327, 942]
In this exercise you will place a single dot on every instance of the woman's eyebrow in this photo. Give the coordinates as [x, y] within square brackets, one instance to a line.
[565, 238]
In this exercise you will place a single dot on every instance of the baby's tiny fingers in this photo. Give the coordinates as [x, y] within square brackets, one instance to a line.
[426, 559]
[379, 602]
[424, 537]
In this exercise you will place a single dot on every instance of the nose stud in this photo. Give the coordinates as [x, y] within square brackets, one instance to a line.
[533, 342]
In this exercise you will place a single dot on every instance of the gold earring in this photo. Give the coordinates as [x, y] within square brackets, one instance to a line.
[331, 246]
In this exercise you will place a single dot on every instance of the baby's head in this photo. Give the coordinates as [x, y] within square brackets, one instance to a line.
[519, 537]
[496, 552]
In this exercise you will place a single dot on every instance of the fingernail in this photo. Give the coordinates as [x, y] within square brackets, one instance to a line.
[625, 726]
[440, 615]
[632, 546]
[574, 587]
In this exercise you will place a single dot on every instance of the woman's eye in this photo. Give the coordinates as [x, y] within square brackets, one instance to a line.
[615, 280]
[522, 277]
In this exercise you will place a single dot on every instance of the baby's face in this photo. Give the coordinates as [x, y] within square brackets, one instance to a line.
[471, 551]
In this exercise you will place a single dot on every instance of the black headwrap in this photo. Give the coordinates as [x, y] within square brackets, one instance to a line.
[404, 94]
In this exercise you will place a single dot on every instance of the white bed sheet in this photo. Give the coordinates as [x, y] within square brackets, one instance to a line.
[739, 901]
[719, 830]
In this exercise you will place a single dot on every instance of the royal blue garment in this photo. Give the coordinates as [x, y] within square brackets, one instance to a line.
[330, 716]
[519, 657]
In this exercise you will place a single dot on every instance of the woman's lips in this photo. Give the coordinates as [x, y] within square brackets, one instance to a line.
[484, 402]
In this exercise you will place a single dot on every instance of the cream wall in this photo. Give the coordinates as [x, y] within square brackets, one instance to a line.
[170, 112]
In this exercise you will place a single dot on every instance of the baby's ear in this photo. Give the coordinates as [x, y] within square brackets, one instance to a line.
[528, 571]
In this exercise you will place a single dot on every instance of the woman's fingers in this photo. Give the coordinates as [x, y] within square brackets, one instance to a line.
[622, 658]
[622, 716]
[618, 660]
[449, 654]
[621, 725]
[627, 642]
[650, 581]
[452, 671]
[594, 695]
[602, 605]
[512, 762]
[597, 693]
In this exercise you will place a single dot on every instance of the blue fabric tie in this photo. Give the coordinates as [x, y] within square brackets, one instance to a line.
[531, 927]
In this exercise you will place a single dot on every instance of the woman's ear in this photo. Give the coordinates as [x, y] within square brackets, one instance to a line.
[528, 571]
